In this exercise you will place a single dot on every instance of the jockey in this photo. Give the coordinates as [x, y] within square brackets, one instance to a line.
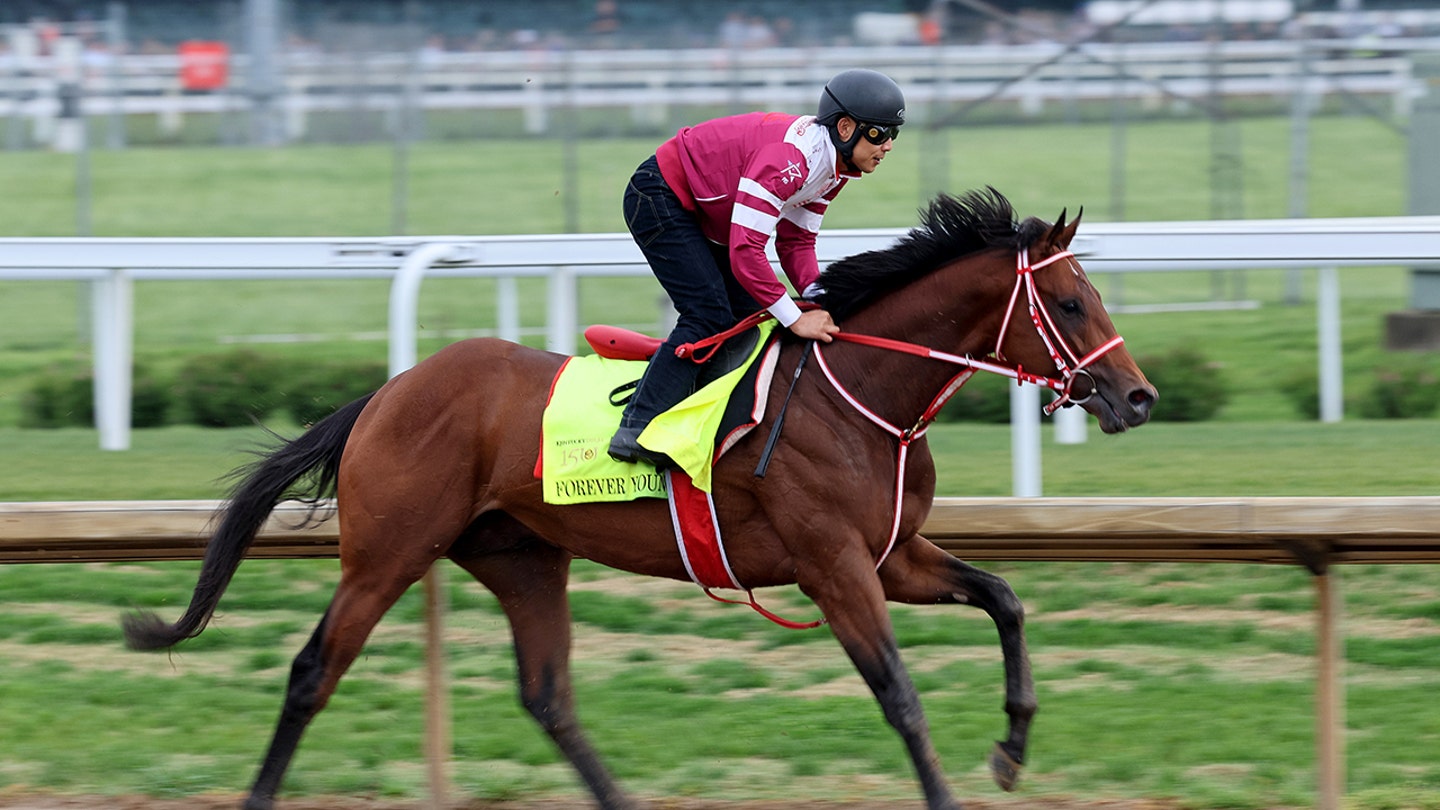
[705, 205]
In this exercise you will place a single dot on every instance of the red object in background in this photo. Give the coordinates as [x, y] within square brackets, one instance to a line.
[929, 31]
[204, 65]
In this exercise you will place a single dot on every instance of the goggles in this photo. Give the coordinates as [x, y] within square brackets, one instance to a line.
[877, 134]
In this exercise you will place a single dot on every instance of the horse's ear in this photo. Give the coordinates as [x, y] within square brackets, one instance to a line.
[1061, 234]
[1057, 231]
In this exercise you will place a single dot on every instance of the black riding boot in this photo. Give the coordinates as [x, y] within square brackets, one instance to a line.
[667, 380]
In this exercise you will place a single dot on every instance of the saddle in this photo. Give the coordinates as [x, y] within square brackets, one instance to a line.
[618, 343]
[740, 369]
[588, 394]
[697, 534]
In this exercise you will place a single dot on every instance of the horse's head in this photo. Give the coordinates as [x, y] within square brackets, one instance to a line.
[951, 286]
[1068, 332]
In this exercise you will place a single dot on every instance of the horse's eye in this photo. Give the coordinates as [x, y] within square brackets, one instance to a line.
[1071, 306]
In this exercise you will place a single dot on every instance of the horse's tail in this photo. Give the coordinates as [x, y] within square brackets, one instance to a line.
[304, 469]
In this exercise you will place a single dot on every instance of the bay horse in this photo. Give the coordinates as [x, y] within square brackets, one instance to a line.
[439, 463]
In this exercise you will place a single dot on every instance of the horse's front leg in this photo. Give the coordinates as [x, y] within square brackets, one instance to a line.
[853, 601]
[918, 572]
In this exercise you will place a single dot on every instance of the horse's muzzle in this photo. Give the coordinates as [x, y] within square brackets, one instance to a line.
[1118, 408]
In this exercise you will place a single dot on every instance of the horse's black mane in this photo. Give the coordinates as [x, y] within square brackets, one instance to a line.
[949, 228]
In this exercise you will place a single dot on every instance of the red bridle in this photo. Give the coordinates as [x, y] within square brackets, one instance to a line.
[1055, 344]
[1050, 334]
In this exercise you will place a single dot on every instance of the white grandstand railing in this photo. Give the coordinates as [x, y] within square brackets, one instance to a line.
[115, 264]
[646, 82]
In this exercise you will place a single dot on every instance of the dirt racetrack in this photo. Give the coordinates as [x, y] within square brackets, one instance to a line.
[44, 802]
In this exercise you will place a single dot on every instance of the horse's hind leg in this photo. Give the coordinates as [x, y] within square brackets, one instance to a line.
[360, 600]
[530, 579]
[918, 572]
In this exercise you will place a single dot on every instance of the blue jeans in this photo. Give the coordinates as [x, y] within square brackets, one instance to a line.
[694, 272]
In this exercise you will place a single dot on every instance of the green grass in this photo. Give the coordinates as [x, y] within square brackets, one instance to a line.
[1174, 681]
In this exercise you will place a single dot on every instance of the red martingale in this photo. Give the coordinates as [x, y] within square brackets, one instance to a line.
[697, 532]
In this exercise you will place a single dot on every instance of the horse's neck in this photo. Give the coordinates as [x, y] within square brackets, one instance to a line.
[938, 312]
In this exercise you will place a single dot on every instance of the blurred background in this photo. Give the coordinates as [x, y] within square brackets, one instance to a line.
[102, 74]
[356, 118]
[366, 118]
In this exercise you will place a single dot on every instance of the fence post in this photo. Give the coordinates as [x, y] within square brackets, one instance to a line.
[562, 318]
[404, 303]
[112, 308]
[1025, 440]
[1329, 691]
[405, 297]
[1327, 307]
[437, 692]
[507, 309]
[1070, 425]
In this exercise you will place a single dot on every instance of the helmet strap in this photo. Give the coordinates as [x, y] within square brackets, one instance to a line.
[846, 147]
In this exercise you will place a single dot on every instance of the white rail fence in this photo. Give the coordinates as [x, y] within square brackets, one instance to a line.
[114, 265]
[649, 82]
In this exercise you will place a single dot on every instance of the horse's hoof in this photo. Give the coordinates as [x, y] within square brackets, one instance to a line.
[1005, 768]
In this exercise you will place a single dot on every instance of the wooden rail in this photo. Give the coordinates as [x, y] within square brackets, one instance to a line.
[1311, 531]
[1315, 532]
[114, 531]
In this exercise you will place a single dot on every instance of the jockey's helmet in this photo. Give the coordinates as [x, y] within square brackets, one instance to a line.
[869, 98]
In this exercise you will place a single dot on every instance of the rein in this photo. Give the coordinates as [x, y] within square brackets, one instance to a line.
[1055, 343]
[1068, 368]
[702, 350]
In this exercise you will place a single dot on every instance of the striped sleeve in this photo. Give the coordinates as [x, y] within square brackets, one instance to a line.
[795, 239]
[774, 175]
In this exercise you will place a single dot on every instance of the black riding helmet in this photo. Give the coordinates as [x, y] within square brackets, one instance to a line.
[872, 99]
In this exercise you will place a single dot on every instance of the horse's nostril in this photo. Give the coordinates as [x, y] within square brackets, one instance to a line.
[1142, 398]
